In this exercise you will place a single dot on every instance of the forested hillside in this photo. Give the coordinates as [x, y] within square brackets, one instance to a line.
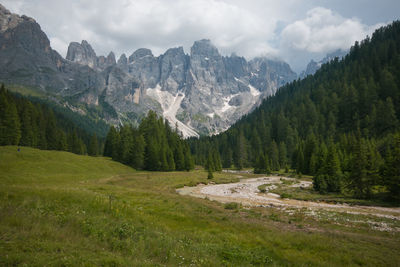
[154, 146]
[25, 123]
[340, 125]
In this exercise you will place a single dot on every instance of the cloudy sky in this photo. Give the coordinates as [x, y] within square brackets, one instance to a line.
[293, 30]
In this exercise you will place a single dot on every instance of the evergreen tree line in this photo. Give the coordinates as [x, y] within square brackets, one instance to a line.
[25, 123]
[340, 125]
[153, 146]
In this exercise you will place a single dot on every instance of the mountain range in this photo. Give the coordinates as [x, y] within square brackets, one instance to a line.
[313, 66]
[201, 92]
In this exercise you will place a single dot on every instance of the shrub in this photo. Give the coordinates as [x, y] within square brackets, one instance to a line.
[231, 206]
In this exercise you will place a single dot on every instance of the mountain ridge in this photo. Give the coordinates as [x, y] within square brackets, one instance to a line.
[202, 92]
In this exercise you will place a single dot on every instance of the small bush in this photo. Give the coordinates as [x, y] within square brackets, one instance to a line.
[231, 206]
[286, 195]
[262, 188]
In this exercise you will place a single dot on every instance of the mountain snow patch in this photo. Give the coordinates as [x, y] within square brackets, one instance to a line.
[254, 91]
[170, 105]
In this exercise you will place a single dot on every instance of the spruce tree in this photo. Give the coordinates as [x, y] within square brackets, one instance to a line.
[274, 156]
[137, 151]
[76, 143]
[299, 162]
[210, 162]
[110, 140]
[27, 131]
[189, 163]
[125, 144]
[358, 176]
[152, 158]
[332, 170]
[10, 131]
[62, 141]
[93, 149]
[51, 131]
[179, 157]
[386, 120]
[171, 161]
[216, 160]
[163, 159]
[391, 169]
[282, 155]
[241, 161]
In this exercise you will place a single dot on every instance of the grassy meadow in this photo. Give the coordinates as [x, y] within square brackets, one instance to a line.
[62, 209]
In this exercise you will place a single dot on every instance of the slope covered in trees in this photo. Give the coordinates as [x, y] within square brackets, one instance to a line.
[154, 146]
[25, 123]
[340, 125]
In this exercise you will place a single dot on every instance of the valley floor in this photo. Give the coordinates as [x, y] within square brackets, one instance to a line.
[57, 208]
[247, 193]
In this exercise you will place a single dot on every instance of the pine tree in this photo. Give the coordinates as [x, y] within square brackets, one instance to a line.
[216, 160]
[274, 156]
[189, 164]
[241, 152]
[299, 162]
[358, 176]
[3, 124]
[152, 159]
[10, 131]
[27, 131]
[179, 158]
[391, 169]
[332, 170]
[76, 145]
[125, 144]
[260, 166]
[163, 159]
[386, 120]
[282, 155]
[210, 162]
[42, 140]
[110, 140]
[210, 175]
[116, 143]
[309, 149]
[51, 131]
[62, 141]
[228, 158]
[137, 151]
[171, 161]
[93, 149]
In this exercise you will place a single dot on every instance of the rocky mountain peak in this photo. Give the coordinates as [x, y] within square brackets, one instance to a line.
[10, 20]
[313, 66]
[140, 53]
[123, 60]
[204, 48]
[82, 53]
[268, 74]
[174, 51]
[111, 59]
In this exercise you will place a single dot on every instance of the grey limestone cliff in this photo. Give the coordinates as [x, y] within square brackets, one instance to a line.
[202, 92]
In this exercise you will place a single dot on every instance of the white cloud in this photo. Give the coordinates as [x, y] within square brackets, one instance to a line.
[124, 26]
[323, 31]
[294, 30]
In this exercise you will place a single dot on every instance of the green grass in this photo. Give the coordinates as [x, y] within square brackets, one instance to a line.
[309, 194]
[263, 187]
[55, 210]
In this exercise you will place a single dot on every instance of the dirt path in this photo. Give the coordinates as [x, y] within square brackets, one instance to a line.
[247, 193]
